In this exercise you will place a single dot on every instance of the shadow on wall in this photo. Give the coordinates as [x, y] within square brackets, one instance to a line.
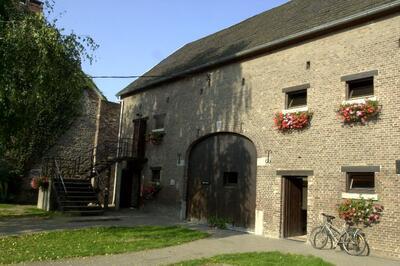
[195, 106]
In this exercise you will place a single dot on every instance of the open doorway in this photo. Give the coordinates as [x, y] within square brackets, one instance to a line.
[294, 206]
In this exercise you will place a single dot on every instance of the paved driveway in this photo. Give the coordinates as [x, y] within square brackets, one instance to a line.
[220, 241]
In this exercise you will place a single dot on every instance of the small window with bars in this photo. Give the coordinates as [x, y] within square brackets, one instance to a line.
[156, 174]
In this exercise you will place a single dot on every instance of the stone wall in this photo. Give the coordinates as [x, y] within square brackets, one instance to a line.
[243, 97]
[108, 125]
[97, 123]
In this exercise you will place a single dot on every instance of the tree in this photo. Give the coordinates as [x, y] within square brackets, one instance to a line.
[41, 83]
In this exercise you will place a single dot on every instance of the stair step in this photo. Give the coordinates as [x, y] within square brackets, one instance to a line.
[81, 208]
[78, 203]
[80, 198]
[85, 213]
[74, 192]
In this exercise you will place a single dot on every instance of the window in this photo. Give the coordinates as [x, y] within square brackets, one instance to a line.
[230, 178]
[159, 121]
[296, 99]
[361, 182]
[156, 174]
[360, 88]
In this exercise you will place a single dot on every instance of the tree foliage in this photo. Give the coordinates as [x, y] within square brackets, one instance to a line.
[41, 82]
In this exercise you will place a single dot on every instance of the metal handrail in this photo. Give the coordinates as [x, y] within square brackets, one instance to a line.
[59, 175]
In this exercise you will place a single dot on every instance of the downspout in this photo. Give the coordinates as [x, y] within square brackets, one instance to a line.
[117, 175]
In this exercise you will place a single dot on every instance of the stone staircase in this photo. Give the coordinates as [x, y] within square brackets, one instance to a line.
[72, 179]
[77, 197]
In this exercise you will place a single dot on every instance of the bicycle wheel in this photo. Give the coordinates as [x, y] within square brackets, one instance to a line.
[354, 244]
[319, 237]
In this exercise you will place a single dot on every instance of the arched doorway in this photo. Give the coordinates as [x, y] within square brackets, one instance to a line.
[222, 179]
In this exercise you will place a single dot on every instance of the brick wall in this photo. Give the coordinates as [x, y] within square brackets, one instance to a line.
[248, 106]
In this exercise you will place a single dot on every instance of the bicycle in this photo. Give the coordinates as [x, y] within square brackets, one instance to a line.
[352, 240]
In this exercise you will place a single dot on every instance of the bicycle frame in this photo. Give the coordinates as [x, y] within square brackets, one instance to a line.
[334, 231]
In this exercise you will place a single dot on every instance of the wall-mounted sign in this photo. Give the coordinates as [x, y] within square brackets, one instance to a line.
[219, 125]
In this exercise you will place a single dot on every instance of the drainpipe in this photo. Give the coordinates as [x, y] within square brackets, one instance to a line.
[118, 166]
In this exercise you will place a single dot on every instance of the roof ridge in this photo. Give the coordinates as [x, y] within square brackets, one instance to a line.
[296, 19]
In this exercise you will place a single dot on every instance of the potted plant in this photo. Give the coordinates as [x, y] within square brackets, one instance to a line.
[355, 212]
[155, 137]
[292, 121]
[359, 112]
[41, 182]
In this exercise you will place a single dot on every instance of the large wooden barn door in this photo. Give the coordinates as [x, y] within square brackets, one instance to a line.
[222, 179]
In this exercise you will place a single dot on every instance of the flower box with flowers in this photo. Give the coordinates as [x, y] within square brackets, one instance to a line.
[359, 112]
[151, 191]
[355, 212]
[291, 121]
[155, 137]
[40, 182]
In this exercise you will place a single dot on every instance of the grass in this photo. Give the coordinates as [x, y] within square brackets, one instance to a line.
[258, 258]
[92, 241]
[15, 211]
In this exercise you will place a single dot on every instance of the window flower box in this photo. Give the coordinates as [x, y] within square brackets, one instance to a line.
[292, 121]
[360, 211]
[155, 137]
[361, 112]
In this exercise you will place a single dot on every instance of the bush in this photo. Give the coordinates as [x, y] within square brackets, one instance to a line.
[7, 175]
[218, 222]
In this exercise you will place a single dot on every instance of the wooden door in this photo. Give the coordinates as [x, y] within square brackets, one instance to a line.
[139, 138]
[126, 188]
[136, 186]
[221, 179]
[293, 217]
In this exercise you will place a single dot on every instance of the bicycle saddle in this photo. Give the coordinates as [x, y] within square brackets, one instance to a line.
[330, 217]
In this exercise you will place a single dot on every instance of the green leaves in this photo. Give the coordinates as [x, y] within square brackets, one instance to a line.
[41, 84]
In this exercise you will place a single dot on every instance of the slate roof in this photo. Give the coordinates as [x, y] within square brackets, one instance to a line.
[290, 18]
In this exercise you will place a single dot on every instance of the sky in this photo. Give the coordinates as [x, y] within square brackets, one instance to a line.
[133, 36]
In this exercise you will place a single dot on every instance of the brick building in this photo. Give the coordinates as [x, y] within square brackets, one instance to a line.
[220, 153]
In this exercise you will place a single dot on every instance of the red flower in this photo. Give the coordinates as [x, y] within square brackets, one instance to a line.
[290, 121]
[358, 112]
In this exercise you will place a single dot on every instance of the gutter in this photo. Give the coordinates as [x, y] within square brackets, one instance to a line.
[273, 45]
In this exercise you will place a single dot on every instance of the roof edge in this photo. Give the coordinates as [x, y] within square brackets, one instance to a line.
[279, 43]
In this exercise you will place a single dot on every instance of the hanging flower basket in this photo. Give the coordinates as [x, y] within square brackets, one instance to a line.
[292, 121]
[150, 192]
[359, 112]
[155, 137]
[356, 212]
[40, 182]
